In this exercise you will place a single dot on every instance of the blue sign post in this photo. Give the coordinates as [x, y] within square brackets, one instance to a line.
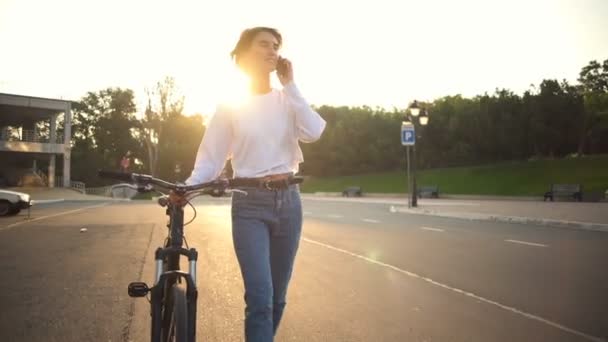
[408, 134]
[408, 139]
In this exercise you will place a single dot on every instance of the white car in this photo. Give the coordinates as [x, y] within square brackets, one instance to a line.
[11, 202]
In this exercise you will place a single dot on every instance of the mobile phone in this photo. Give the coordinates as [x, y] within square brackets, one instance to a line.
[281, 66]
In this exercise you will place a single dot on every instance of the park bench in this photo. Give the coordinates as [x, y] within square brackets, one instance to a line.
[574, 191]
[429, 191]
[352, 191]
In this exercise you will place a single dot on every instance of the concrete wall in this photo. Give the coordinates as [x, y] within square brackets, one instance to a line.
[26, 111]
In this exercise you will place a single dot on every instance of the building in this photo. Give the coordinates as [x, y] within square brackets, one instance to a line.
[34, 132]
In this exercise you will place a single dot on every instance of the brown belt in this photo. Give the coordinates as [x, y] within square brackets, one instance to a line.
[270, 182]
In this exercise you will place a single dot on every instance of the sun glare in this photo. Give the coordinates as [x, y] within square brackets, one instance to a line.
[464, 47]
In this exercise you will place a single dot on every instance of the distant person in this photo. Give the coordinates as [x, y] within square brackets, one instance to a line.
[125, 162]
[178, 171]
[262, 139]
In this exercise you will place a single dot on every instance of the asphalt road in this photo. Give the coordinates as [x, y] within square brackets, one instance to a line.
[362, 274]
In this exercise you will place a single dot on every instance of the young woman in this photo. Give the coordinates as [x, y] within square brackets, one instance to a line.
[261, 137]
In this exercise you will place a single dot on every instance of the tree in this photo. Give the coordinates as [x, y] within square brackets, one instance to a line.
[103, 127]
[178, 146]
[556, 111]
[163, 104]
[594, 77]
[594, 88]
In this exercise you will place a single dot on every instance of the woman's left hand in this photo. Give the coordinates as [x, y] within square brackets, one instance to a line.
[286, 76]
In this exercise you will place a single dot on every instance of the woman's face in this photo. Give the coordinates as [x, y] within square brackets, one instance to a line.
[262, 55]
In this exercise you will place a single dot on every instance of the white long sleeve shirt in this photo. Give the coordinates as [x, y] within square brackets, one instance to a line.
[261, 136]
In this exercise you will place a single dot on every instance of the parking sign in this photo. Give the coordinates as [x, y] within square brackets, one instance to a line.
[408, 135]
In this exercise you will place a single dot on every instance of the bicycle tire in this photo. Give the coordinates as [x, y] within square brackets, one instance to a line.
[156, 316]
[175, 322]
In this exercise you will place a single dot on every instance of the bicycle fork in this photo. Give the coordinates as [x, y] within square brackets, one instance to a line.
[141, 289]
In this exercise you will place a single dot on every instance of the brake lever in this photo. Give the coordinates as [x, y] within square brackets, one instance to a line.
[237, 191]
[145, 188]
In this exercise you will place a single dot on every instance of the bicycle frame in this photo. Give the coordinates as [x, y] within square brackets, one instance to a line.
[167, 273]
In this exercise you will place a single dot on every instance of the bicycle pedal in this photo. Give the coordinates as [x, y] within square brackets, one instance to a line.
[138, 289]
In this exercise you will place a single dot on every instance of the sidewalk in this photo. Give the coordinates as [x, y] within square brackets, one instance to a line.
[585, 215]
[50, 195]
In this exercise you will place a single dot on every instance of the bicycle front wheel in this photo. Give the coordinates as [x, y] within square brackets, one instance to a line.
[176, 315]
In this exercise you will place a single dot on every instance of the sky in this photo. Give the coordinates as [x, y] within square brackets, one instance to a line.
[344, 52]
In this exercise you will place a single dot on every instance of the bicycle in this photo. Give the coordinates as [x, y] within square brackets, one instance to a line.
[173, 297]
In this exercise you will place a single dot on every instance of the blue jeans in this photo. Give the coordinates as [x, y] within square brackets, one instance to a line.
[266, 229]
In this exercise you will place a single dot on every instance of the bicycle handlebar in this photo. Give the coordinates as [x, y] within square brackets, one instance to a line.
[147, 179]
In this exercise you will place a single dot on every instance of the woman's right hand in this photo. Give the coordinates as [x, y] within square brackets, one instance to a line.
[284, 71]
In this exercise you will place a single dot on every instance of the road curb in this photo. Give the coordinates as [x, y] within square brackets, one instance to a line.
[35, 202]
[80, 200]
[599, 227]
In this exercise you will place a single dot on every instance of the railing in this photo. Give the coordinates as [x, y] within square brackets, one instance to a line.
[78, 186]
[30, 136]
[100, 191]
[114, 191]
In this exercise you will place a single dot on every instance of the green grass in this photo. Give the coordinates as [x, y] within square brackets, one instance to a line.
[144, 196]
[531, 178]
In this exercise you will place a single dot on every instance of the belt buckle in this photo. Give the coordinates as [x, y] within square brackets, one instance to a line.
[266, 184]
[278, 183]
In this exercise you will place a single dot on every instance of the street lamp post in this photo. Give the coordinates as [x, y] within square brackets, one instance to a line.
[415, 112]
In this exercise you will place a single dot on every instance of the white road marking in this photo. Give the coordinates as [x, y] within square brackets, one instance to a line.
[527, 243]
[371, 221]
[462, 292]
[433, 229]
[335, 216]
[53, 215]
[452, 203]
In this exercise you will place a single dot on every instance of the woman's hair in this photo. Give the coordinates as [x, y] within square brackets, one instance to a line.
[247, 38]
